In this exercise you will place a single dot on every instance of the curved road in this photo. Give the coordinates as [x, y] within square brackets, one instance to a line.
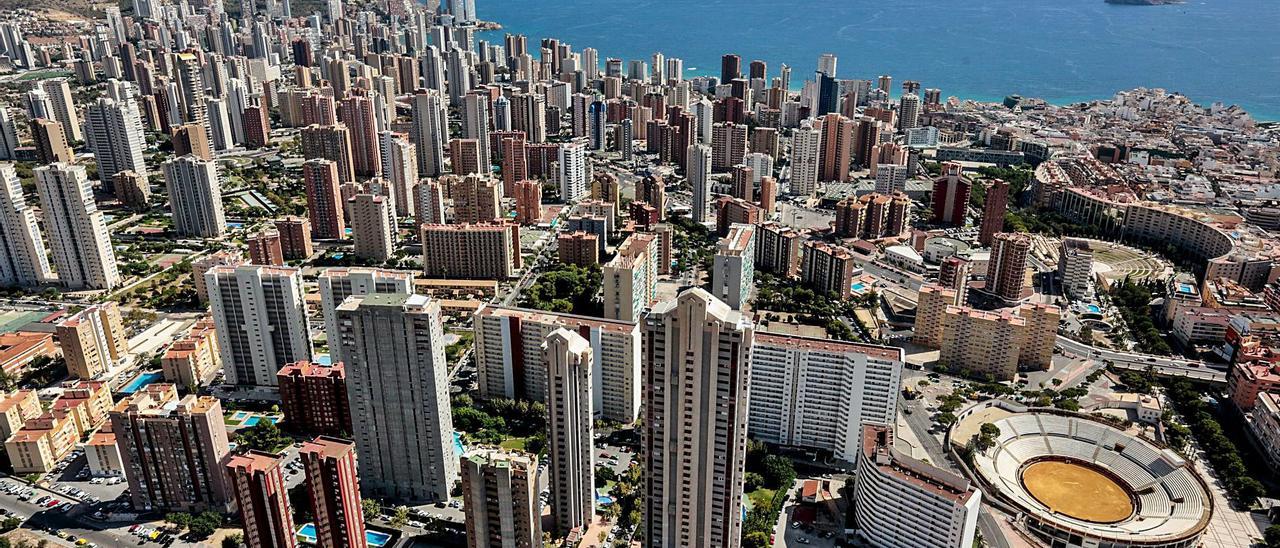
[1164, 365]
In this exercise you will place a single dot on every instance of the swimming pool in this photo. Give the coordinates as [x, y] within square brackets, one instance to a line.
[141, 381]
[1093, 309]
[458, 449]
[258, 418]
[307, 534]
[239, 415]
[858, 287]
[602, 499]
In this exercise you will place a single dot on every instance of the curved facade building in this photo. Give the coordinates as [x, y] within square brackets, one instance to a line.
[1140, 494]
[900, 502]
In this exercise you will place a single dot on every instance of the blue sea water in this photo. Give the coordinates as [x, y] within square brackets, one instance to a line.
[1060, 50]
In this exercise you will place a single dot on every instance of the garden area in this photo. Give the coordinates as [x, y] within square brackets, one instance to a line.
[511, 424]
[566, 288]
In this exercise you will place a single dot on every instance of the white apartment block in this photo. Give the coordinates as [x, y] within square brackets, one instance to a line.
[398, 386]
[1075, 266]
[261, 320]
[573, 174]
[23, 258]
[891, 178]
[818, 393]
[806, 147]
[79, 241]
[336, 284]
[508, 357]
[631, 278]
[733, 267]
[195, 197]
[116, 136]
[900, 502]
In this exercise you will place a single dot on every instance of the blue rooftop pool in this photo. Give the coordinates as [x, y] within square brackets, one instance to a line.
[258, 418]
[141, 381]
[307, 534]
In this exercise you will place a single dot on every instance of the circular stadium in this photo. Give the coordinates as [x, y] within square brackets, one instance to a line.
[1073, 481]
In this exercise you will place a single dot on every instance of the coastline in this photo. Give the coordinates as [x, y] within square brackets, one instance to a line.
[1075, 74]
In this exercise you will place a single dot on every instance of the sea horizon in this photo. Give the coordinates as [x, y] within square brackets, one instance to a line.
[1225, 50]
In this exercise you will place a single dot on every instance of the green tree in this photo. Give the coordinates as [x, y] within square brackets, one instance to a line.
[205, 524]
[263, 436]
[400, 516]
[1272, 536]
[778, 472]
[371, 508]
[234, 540]
[181, 520]
[986, 437]
[752, 481]
[946, 418]
[755, 539]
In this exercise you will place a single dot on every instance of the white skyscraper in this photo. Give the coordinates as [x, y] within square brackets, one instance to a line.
[8, 135]
[827, 64]
[806, 147]
[336, 284]
[698, 171]
[703, 119]
[400, 169]
[908, 111]
[38, 105]
[695, 429]
[78, 236]
[569, 429]
[430, 132]
[675, 69]
[116, 136]
[475, 125]
[398, 387]
[261, 320]
[23, 260]
[573, 172]
[195, 197]
[64, 107]
[218, 120]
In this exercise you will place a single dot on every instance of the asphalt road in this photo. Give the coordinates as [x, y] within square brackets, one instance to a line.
[1177, 367]
[920, 423]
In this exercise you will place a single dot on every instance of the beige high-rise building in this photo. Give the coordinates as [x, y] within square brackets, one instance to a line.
[500, 499]
[193, 360]
[93, 340]
[398, 388]
[372, 227]
[1007, 269]
[982, 343]
[1040, 335]
[428, 198]
[477, 199]
[158, 434]
[931, 306]
[695, 430]
[631, 278]
[570, 430]
[480, 251]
